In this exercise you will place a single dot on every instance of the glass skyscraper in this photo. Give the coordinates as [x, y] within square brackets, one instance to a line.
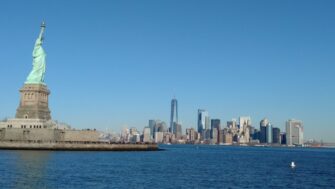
[203, 120]
[294, 132]
[262, 128]
[269, 133]
[174, 114]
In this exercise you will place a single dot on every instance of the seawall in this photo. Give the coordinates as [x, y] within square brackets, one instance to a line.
[75, 146]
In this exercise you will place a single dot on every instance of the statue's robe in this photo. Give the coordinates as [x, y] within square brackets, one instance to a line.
[37, 73]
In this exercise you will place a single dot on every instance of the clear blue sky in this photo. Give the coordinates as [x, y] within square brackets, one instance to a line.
[116, 63]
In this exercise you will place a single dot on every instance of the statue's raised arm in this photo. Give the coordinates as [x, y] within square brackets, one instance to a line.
[41, 36]
[36, 75]
[39, 40]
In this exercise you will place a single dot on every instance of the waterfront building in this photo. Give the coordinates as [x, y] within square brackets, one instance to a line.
[191, 134]
[177, 130]
[208, 123]
[135, 138]
[269, 133]
[276, 139]
[235, 138]
[227, 138]
[167, 137]
[125, 135]
[263, 138]
[244, 121]
[198, 136]
[174, 114]
[160, 126]
[133, 131]
[256, 135]
[215, 124]
[159, 137]
[221, 136]
[152, 124]
[252, 131]
[206, 134]
[264, 122]
[203, 120]
[233, 129]
[214, 133]
[243, 132]
[244, 135]
[283, 138]
[294, 132]
[146, 134]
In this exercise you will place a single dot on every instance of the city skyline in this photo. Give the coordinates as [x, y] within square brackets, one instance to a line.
[225, 58]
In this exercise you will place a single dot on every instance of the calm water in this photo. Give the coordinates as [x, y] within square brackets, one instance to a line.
[179, 166]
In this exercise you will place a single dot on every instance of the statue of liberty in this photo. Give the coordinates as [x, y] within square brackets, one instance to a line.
[36, 75]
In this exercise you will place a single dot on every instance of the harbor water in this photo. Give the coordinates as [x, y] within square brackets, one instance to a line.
[177, 166]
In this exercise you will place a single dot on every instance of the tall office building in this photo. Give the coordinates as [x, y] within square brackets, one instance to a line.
[208, 123]
[294, 132]
[159, 137]
[191, 135]
[177, 130]
[269, 133]
[276, 139]
[152, 124]
[206, 134]
[160, 126]
[215, 125]
[244, 122]
[283, 138]
[266, 132]
[174, 114]
[221, 135]
[262, 127]
[146, 134]
[215, 137]
[228, 138]
[157, 126]
[203, 120]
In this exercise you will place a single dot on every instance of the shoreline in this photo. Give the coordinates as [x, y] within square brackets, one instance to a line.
[76, 146]
[246, 145]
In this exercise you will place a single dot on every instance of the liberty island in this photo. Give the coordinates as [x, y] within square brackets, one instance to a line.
[33, 128]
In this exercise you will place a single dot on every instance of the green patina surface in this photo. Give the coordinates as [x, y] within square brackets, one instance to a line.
[36, 75]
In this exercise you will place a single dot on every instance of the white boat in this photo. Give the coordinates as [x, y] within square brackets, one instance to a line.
[292, 164]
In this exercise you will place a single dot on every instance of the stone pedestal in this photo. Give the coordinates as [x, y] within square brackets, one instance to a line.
[34, 102]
